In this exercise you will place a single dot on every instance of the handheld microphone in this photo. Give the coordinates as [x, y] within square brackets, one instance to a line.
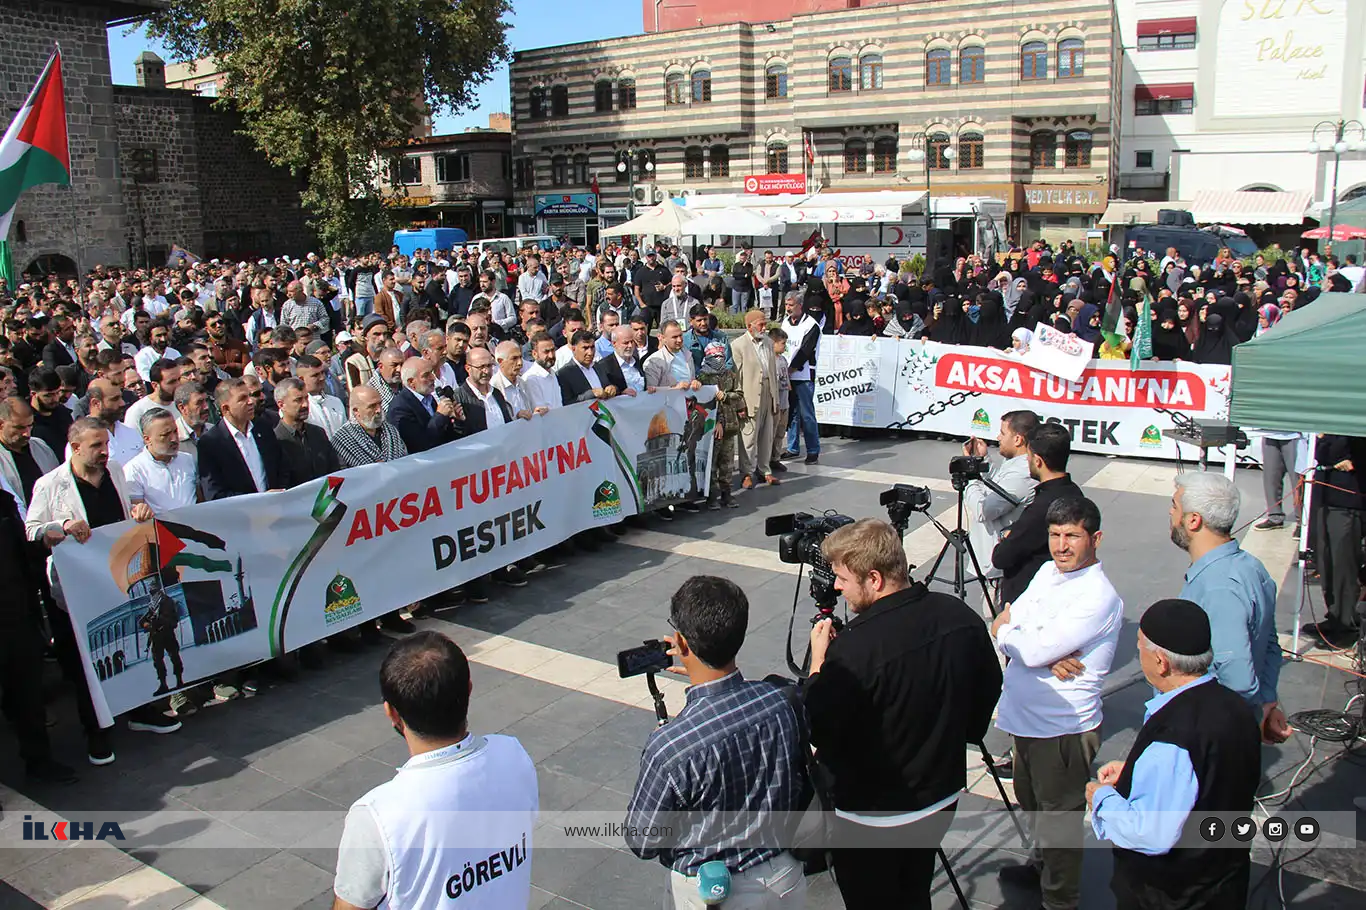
[713, 882]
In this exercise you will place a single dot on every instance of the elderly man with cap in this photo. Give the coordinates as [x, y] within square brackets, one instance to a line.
[1198, 753]
[375, 337]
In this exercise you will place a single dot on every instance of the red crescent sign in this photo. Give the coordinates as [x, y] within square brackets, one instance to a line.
[900, 235]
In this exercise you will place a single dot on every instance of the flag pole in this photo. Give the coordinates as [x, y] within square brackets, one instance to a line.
[71, 186]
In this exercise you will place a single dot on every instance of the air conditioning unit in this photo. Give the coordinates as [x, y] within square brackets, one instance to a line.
[683, 194]
[641, 195]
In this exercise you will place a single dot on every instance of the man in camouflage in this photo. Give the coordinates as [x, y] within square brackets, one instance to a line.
[730, 406]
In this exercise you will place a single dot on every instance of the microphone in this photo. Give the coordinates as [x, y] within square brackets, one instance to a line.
[713, 882]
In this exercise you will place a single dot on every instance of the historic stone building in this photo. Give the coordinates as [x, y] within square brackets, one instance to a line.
[150, 165]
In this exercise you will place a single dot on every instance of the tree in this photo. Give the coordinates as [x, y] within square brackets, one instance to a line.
[325, 86]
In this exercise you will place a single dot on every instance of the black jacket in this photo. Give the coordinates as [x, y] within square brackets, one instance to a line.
[609, 371]
[1021, 553]
[308, 458]
[1343, 488]
[420, 431]
[908, 684]
[55, 355]
[574, 386]
[476, 420]
[222, 470]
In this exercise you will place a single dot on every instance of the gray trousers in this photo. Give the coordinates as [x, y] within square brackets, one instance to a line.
[1337, 536]
[756, 439]
[1278, 463]
[1050, 785]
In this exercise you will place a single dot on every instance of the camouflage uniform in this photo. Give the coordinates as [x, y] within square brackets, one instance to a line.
[723, 449]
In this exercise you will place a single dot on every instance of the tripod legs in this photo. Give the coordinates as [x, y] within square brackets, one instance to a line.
[953, 879]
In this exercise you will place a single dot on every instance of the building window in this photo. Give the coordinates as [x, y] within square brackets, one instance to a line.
[775, 81]
[559, 171]
[1034, 61]
[972, 65]
[208, 89]
[1071, 57]
[1153, 107]
[938, 67]
[693, 166]
[1043, 149]
[1143, 159]
[701, 87]
[1078, 148]
[626, 95]
[673, 88]
[645, 165]
[870, 72]
[559, 101]
[524, 174]
[408, 170]
[970, 151]
[452, 168]
[720, 161]
[777, 158]
[884, 156]
[841, 74]
[939, 144]
[602, 96]
[1166, 42]
[855, 157]
[1166, 34]
[142, 166]
[506, 161]
[536, 99]
[579, 170]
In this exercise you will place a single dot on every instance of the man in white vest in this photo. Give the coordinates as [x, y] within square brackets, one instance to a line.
[456, 822]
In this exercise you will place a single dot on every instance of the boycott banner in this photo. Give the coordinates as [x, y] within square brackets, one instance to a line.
[1060, 353]
[219, 585]
[963, 391]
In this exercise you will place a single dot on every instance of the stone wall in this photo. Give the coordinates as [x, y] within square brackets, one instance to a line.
[91, 213]
[159, 124]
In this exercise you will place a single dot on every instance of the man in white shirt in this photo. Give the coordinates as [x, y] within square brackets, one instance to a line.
[989, 512]
[161, 478]
[670, 367]
[157, 348]
[155, 302]
[1059, 637]
[531, 285]
[107, 406]
[501, 309]
[324, 411]
[507, 379]
[679, 302]
[539, 376]
[165, 378]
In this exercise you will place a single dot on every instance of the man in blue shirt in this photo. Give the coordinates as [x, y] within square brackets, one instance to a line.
[700, 334]
[1195, 755]
[1233, 588]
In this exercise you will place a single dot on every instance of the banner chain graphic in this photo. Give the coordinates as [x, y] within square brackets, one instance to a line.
[1180, 421]
[935, 408]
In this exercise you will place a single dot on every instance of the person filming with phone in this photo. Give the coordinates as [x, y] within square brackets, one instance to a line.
[989, 511]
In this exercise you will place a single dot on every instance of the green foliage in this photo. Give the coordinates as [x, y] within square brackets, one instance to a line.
[915, 265]
[727, 259]
[324, 85]
[1271, 254]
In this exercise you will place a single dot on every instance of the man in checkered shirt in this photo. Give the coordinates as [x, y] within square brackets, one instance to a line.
[733, 763]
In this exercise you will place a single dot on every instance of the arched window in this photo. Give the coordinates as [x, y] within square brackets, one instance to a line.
[1043, 149]
[559, 171]
[602, 96]
[673, 88]
[938, 67]
[940, 143]
[536, 99]
[626, 94]
[970, 150]
[870, 72]
[1034, 61]
[884, 155]
[775, 81]
[841, 74]
[693, 167]
[579, 173]
[1079, 148]
[777, 157]
[559, 101]
[972, 65]
[855, 157]
[701, 87]
[720, 161]
[1071, 54]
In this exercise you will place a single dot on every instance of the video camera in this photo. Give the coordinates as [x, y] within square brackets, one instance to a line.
[800, 536]
[965, 468]
[903, 500]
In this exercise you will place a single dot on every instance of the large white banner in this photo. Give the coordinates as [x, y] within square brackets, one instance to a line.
[222, 584]
[963, 391]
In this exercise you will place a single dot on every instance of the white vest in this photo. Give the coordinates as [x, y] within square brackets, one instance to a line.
[796, 335]
[459, 828]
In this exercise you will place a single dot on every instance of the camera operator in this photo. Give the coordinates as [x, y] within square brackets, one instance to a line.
[893, 702]
[989, 511]
[1024, 545]
[736, 747]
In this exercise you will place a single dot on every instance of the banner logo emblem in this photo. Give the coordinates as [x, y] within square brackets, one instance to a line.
[606, 500]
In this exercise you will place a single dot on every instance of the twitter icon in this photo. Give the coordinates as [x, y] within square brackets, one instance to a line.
[1243, 829]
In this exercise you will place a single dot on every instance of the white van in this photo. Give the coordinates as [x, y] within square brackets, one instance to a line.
[512, 244]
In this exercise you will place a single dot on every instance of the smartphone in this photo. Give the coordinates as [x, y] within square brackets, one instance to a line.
[651, 657]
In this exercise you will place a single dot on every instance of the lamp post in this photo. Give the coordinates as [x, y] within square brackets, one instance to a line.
[626, 164]
[921, 152]
[1341, 145]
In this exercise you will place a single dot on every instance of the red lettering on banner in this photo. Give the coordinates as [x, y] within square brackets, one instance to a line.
[365, 525]
[1099, 387]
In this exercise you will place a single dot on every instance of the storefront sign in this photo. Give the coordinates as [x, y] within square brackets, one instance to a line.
[552, 206]
[614, 211]
[1042, 197]
[409, 201]
[1280, 57]
[773, 184]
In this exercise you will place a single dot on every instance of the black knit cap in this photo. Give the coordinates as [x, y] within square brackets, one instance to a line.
[1179, 626]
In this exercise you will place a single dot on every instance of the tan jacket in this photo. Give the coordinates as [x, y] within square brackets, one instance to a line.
[758, 374]
[41, 454]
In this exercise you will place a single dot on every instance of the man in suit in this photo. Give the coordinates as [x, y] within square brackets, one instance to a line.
[60, 352]
[579, 381]
[481, 404]
[238, 456]
[621, 369]
[757, 369]
[646, 344]
[423, 420]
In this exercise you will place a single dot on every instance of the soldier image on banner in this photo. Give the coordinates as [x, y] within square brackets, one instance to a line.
[160, 622]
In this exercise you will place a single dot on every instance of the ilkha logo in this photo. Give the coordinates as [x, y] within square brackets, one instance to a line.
[1151, 438]
[606, 500]
[64, 830]
[981, 420]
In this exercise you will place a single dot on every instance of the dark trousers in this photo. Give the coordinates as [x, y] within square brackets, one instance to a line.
[162, 646]
[69, 659]
[1050, 784]
[881, 871]
[1337, 535]
[21, 680]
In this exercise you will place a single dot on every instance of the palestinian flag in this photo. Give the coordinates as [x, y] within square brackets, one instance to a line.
[173, 540]
[34, 149]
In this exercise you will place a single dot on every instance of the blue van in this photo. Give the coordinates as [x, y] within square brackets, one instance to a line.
[429, 239]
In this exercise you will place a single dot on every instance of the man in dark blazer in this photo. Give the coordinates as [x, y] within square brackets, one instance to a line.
[223, 472]
[579, 381]
[60, 350]
[423, 421]
[476, 395]
[622, 369]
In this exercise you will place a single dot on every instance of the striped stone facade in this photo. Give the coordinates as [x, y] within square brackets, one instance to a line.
[905, 71]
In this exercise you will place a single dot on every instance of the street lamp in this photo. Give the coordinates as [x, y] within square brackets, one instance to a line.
[1341, 146]
[626, 164]
[920, 153]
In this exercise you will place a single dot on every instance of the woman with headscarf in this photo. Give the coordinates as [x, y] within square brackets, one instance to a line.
[1216, 341]
[1169, 341]
[1020, 340]
[1267, 315]
[856, 321]
[1086, 325]
[1187, 318]
[1012, 292]
[1245, 317]
[983, 323]
[941, 326]
[904, 322]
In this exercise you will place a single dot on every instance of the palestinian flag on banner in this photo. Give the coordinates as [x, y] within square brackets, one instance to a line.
[174, 539]
[34, 149]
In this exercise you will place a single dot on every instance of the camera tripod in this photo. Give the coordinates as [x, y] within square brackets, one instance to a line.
[958, 541]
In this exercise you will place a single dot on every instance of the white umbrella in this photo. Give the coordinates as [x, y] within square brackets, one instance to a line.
[734, 222]
[666, 219]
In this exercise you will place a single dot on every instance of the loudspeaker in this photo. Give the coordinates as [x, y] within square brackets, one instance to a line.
[1175, 217]
[938, 248]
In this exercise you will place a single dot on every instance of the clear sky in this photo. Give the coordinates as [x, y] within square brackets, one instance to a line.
[535, 23]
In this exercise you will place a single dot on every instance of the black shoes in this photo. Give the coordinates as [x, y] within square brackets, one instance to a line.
[1021, 875]
[1330, 634]
[811, 459]
[98, 749]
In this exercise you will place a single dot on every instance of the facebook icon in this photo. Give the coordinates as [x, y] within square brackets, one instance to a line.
[1212, 829]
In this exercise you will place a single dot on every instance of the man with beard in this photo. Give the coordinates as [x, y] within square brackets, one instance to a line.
[60, 351]
[543, 389]
[450, 372]
[1024, 547]
[107, 405]
[461, 290]
[239, 455]
[422, 419]
[51, 418]
[157, 348]
[326, 412]
[386, 379]
[367, 438]
[306, 454]
[192, 415]
[228, 353]
[165, 377]
[361, 365]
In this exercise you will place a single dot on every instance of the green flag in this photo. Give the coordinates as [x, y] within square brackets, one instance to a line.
[6, 266]
[1143, 332]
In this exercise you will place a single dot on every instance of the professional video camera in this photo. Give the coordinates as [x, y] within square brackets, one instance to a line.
[902, 501]
[800, 536]
[964, 468]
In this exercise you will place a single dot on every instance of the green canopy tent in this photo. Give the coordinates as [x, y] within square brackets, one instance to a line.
[1307, 373]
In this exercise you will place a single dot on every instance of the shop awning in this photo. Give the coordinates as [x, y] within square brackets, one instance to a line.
[1170, 91]
[1248, 207]
[1121, 212]
[879, 207]
[1182, 26]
